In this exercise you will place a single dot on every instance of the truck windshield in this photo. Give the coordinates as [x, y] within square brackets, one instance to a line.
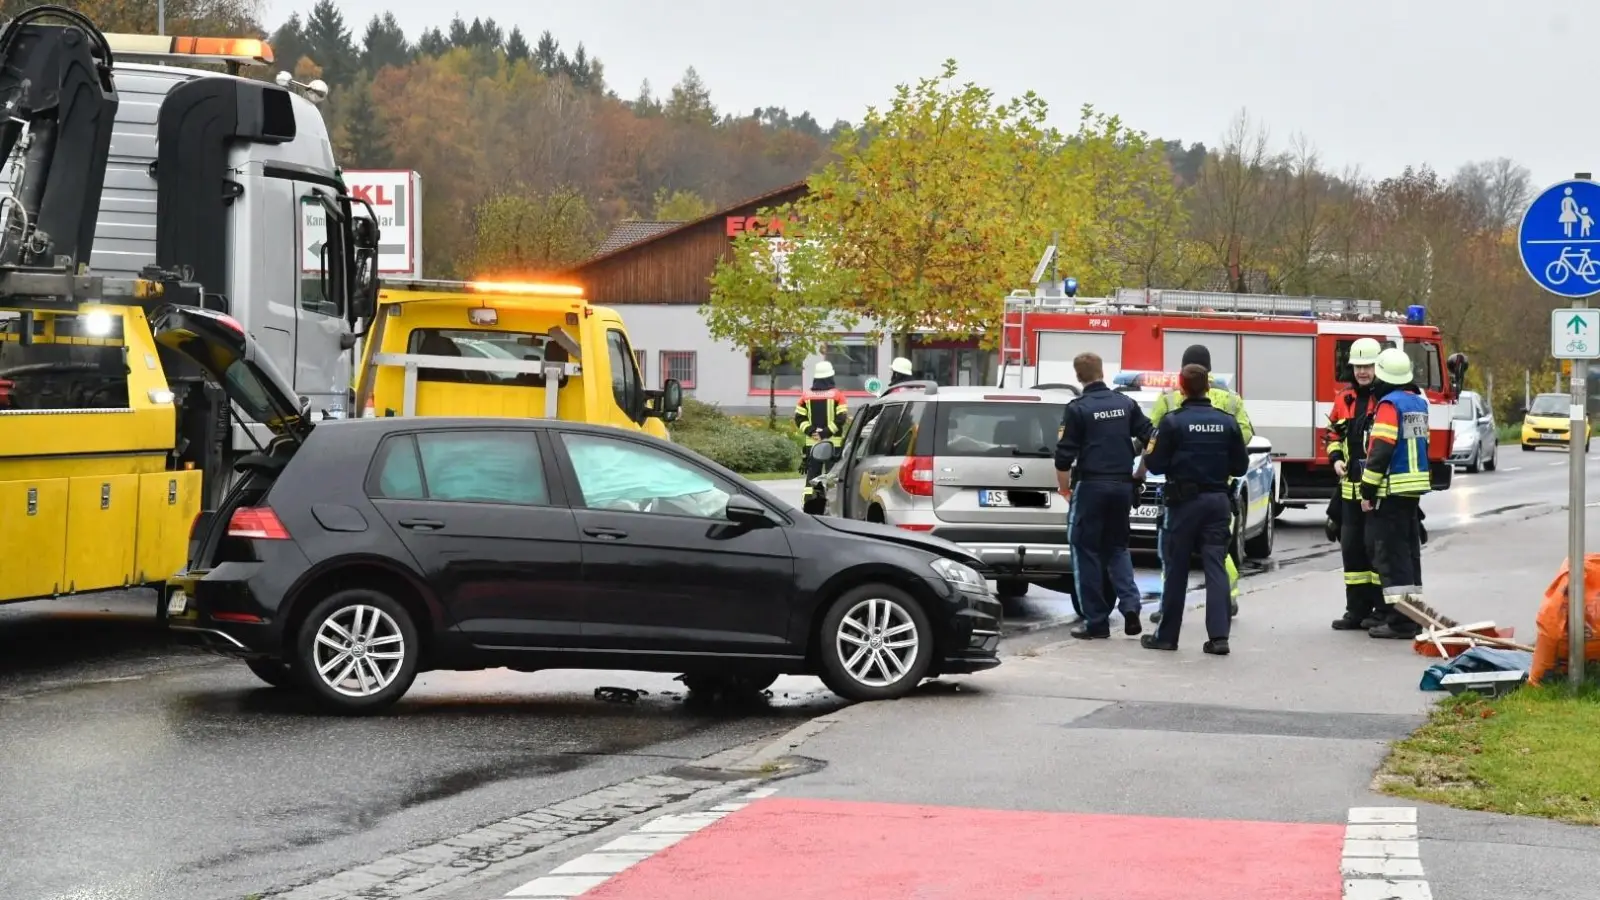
[1550, 405]
[479, 344]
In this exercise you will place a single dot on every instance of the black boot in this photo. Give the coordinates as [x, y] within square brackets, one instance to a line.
[1346, 623]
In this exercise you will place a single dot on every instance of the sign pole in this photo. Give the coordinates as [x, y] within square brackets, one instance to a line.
[1577, 493]
[1558, 242]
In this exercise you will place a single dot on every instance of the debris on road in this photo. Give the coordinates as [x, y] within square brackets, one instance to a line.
[619, 694]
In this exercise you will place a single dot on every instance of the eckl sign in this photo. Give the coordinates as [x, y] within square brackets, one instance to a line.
[395, 198]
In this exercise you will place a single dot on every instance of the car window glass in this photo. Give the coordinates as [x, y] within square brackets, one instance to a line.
[904, 433]
[863, 437]
[884, 429]
[622, 475]
[1550, 405]
[624, 376]
[997, 429]
[399, 470]
[463, 467]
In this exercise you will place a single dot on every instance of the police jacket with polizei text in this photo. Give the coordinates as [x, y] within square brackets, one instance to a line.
[1098, 431]
[1201, 445]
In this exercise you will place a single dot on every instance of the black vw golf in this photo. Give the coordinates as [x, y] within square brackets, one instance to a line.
[352, 555]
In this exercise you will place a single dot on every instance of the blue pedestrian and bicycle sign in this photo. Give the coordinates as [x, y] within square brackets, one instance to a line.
[1560, 241]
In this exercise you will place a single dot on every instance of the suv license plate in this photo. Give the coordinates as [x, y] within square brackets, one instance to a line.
[1147, 512]
[993, 498]
[177, 603]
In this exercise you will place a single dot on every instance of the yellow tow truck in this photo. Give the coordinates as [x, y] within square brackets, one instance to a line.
[484, 348]
[112, 435]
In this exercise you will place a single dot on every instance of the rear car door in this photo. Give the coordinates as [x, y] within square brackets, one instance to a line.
[994, 461]
[484, 515]
[663, 567]
[839, 479]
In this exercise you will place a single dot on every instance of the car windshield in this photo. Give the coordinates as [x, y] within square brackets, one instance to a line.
[998, 429]
[1464, 409]
[1550, 405]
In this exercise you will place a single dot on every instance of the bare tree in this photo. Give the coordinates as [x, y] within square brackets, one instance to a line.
[1300, 254]
[1497, 191]
[1239, 202]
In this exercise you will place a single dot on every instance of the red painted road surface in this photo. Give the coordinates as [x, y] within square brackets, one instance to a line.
[790, 849]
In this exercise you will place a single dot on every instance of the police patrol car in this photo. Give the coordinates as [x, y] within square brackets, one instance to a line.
[1254, 528]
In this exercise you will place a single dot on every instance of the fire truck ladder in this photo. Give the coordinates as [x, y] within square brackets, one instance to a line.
[1226, 304]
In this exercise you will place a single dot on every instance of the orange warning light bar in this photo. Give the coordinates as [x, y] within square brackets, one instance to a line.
[244, 51]
[526, 287]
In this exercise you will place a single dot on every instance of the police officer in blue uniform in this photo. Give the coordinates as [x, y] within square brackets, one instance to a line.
[1102, 433]
[1198, 448]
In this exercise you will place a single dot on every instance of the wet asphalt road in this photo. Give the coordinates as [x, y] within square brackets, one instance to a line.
[134, 769]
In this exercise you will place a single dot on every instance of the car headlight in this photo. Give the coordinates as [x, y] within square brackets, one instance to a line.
[961, 575]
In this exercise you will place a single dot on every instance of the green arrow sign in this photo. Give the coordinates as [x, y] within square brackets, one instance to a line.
[1576, 324]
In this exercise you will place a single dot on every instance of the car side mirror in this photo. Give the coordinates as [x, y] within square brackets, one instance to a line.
[1258, 444]
[822, 451]
[746, 511]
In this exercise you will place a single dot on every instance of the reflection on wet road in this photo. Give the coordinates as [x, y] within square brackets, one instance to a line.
[143, 771]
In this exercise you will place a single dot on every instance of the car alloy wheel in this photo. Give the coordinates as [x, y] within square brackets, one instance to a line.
[878, 643]
[357, 651]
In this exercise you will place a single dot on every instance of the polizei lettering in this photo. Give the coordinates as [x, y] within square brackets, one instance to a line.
[1208, 428]
[1111, 414]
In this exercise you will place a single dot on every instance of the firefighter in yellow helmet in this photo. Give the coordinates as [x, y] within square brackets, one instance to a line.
[1392, 484]
[821, 412]
[1229, 402]
[1348, 426]
[900, 370]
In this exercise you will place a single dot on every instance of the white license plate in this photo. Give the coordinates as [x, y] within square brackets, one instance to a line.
[1147, 512]
[177, 603]
[993, 498]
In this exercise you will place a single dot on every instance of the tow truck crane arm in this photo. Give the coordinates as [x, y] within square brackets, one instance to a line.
[58, 101]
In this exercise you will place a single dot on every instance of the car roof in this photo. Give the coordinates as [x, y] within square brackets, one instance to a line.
[386, 424]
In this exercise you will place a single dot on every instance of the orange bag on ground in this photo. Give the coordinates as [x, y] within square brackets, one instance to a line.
[1550, 648]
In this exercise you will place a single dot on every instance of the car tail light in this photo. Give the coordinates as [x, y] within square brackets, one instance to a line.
[916, 476]
[917, 527]
[258, 522]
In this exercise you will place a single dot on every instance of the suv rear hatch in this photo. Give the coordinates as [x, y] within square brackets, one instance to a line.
[994, 461]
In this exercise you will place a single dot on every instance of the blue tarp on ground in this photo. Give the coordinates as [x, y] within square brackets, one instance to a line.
[1477, 659]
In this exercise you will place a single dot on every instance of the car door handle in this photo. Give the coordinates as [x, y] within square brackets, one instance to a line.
[428, 524]
[605, 533]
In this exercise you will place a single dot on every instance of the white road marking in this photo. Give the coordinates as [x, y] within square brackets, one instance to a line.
[602, 864]
[1511, 469]
[1382, 857]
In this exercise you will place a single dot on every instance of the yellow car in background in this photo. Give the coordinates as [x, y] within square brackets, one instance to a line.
[1549, 423]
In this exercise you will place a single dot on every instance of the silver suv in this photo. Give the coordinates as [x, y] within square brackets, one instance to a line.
[972, 465]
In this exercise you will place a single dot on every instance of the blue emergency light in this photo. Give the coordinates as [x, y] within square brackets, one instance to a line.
[1416, 314]
[1070, 287]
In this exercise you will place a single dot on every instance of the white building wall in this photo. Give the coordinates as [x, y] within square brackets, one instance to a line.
[722, 370]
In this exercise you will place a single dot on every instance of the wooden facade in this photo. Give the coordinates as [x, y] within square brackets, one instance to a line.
[674, 266]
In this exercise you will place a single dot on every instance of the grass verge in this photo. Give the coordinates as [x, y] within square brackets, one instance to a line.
[1531, 753]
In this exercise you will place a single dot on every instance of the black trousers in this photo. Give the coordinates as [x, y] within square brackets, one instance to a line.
[1200, 524]
[1097, 528]
[1394, 541]
[1363, 592]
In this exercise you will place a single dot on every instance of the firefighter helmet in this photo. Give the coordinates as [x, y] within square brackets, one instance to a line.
[824, 369]
[1394, 366]
[1364, 352]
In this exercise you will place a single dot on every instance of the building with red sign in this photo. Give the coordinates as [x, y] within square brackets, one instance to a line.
[657, 275]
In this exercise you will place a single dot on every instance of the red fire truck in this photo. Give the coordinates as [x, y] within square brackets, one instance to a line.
[1285, 356]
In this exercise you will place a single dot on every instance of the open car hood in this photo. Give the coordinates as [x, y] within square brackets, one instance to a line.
[927, 542]
[219, 345]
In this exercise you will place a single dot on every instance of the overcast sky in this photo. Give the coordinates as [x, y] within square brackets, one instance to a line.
[1374, 83]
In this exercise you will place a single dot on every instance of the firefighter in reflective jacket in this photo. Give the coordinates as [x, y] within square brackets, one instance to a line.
[1392, 485]
[1230, 403]
[821, 413]
[1348, 427]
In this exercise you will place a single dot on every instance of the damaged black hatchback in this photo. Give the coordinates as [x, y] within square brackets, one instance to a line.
[352, 555]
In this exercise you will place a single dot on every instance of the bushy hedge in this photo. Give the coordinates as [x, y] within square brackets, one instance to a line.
[706, 429]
